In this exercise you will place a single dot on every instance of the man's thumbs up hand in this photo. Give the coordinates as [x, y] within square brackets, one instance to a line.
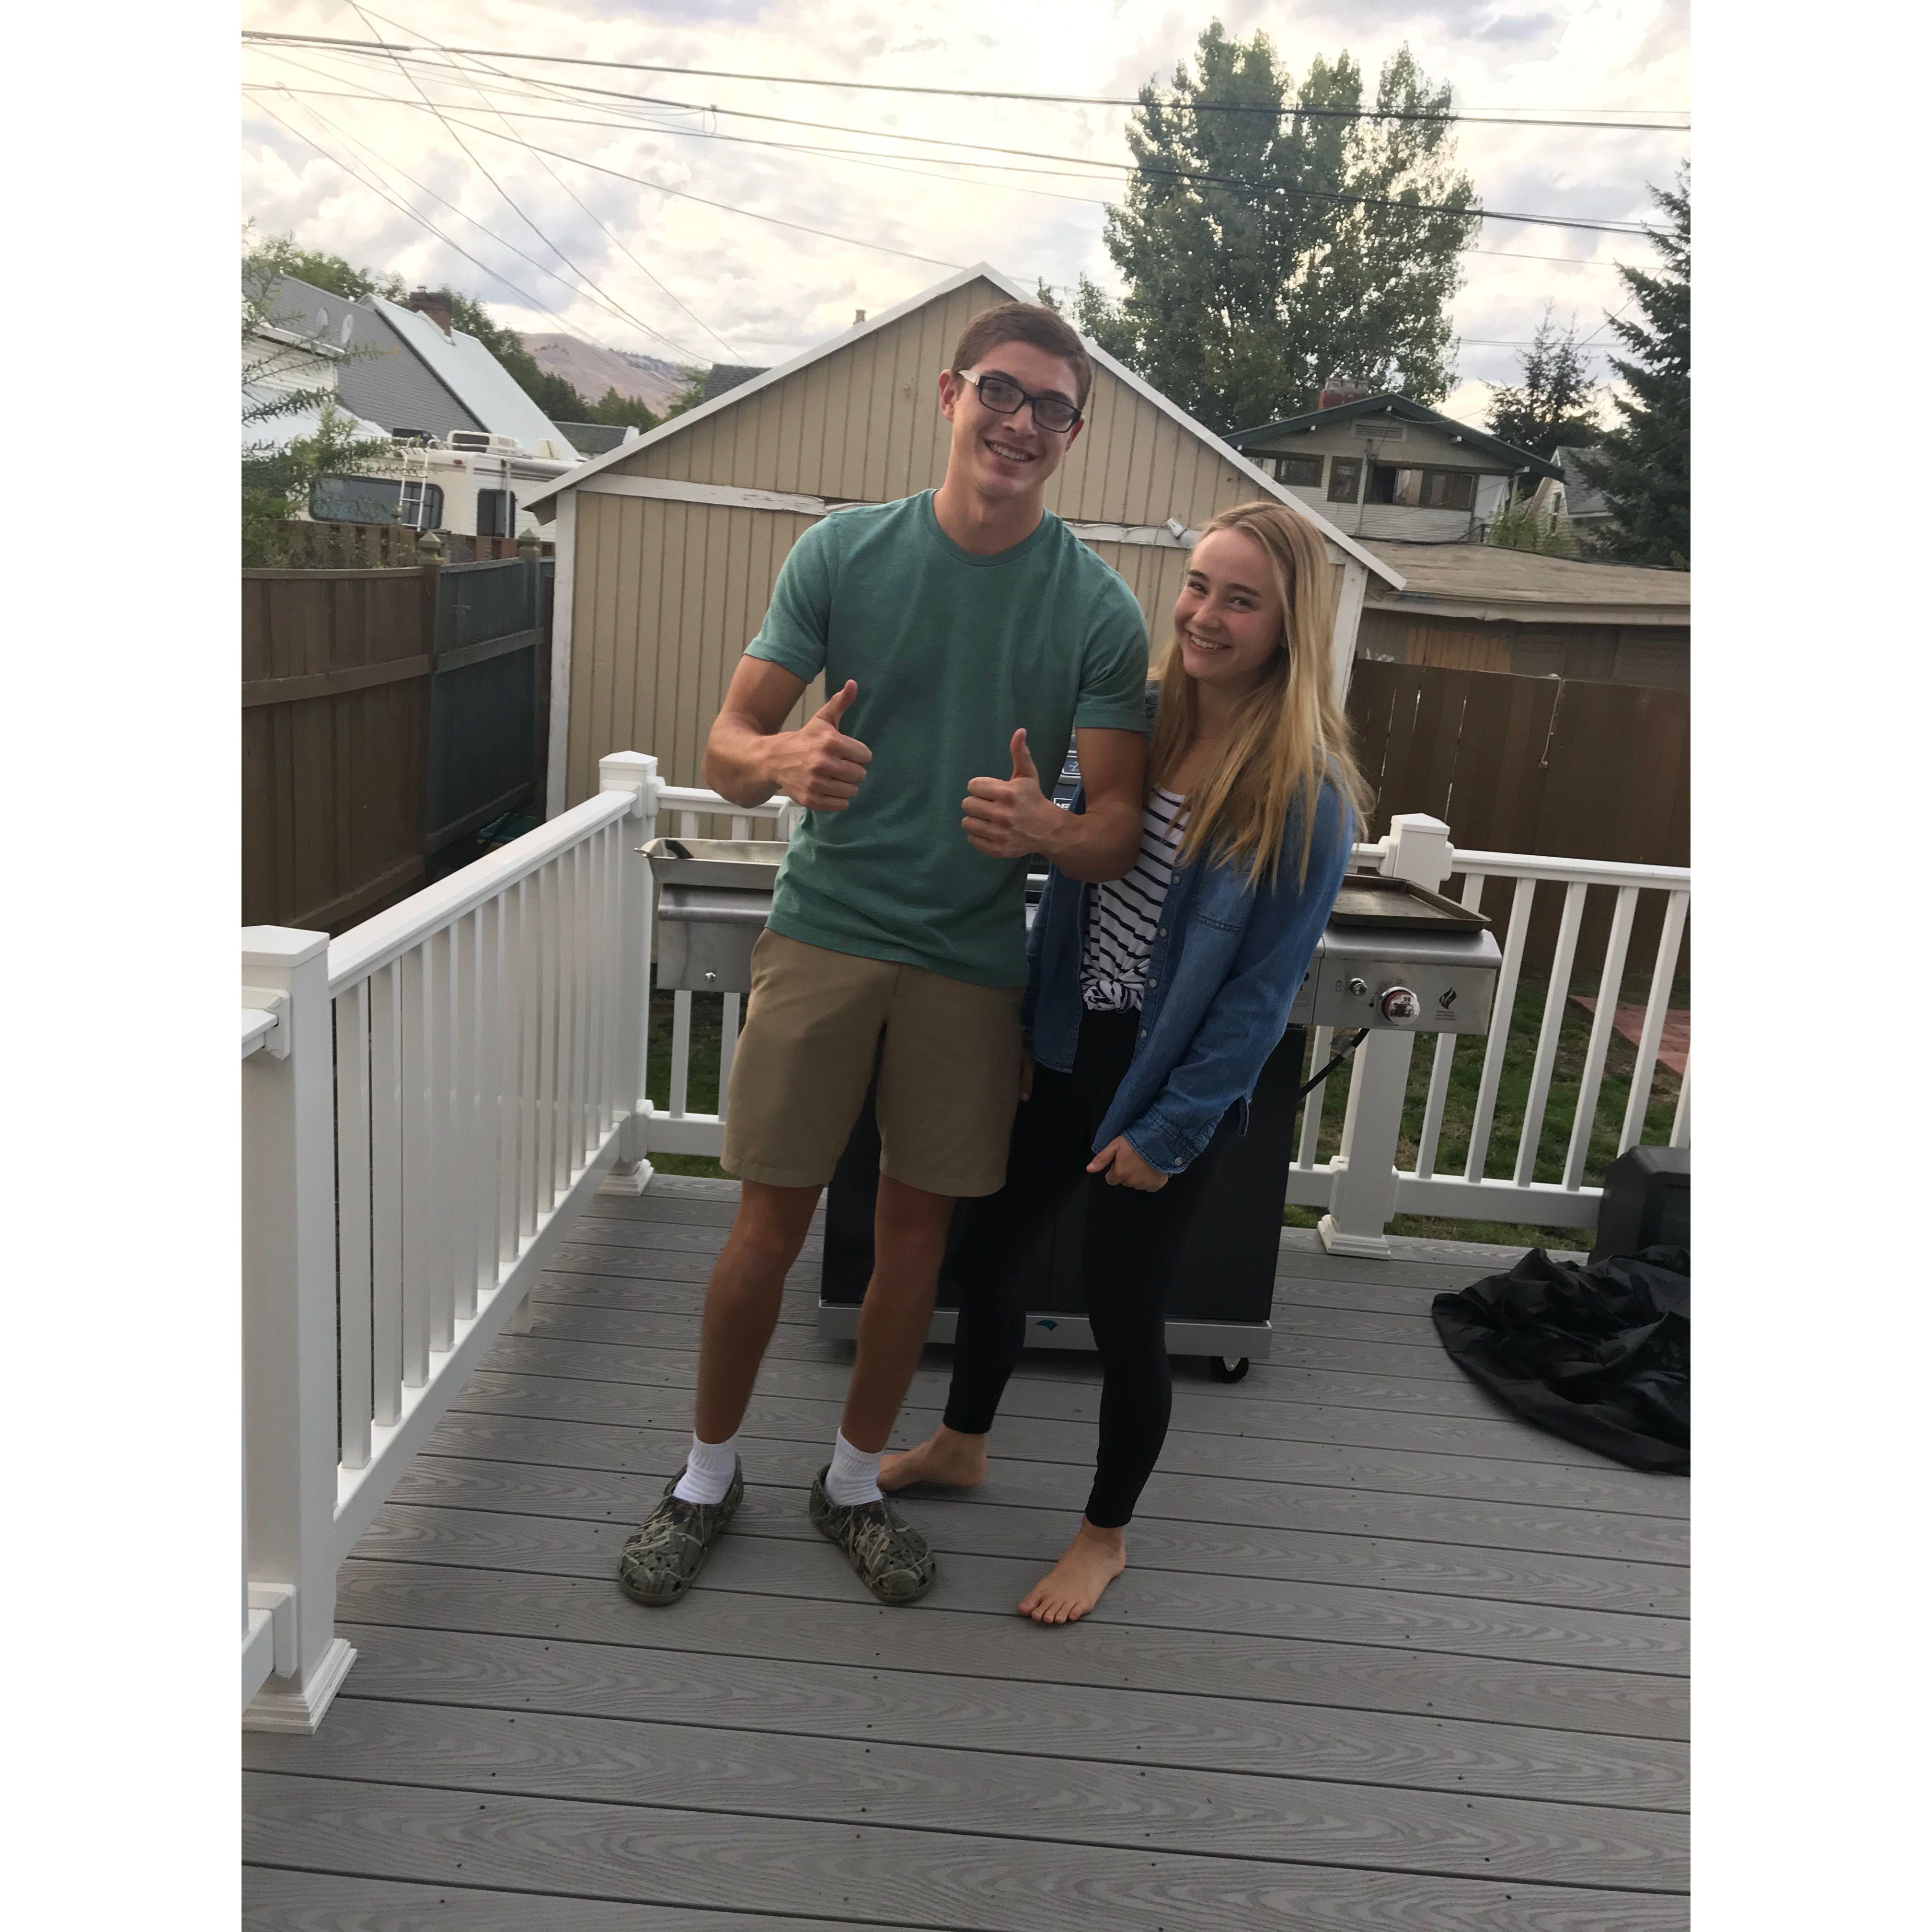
[821, 767]
[1008, 818]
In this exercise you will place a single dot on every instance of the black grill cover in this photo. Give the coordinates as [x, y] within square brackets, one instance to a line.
[1599, 1354]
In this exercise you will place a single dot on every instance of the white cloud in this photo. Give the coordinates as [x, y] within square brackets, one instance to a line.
[768, 291]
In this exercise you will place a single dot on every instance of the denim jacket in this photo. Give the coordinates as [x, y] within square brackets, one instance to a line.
[1227, 961]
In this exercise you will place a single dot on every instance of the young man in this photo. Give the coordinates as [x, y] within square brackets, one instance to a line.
[962, 632]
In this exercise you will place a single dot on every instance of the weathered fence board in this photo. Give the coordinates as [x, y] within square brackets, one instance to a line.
[332, 767]
[1575, 769]
[387, 716]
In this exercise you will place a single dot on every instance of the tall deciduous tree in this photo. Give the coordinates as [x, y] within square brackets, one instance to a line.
[1553, 405]
[1320, 244]
[1642, 466]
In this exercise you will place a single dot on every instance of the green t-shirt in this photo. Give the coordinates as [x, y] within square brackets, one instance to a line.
[952, 653]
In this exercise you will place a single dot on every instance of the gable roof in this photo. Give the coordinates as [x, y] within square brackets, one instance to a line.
[1581, 498]
[725, 376]
[477, 379]
[1505, 453]
[545, 499]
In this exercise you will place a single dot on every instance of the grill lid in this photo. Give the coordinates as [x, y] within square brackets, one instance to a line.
[1398, 905]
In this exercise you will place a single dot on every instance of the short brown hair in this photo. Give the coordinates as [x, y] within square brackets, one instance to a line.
[1031, 323]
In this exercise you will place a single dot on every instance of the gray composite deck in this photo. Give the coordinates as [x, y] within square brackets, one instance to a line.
[1386, 1657]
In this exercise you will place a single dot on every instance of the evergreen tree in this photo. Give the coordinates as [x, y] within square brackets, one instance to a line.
[1325, 245]
[612, 407]
[1552, 406]
[1643, 465]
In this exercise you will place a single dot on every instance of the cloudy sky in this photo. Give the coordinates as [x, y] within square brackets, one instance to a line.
[617, 257]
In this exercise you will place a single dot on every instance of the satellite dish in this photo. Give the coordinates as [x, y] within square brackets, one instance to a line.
[321, 320]
[348, 325]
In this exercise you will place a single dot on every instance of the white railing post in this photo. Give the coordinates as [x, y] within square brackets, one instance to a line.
[635, 772]
[288, 1326]
[1362, 1197]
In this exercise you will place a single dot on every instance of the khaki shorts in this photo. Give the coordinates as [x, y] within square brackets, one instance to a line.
[816, 1024]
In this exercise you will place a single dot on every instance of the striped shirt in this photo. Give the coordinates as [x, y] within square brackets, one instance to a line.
[1125, 912]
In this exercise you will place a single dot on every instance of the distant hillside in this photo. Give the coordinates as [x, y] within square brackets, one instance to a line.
[591, 370]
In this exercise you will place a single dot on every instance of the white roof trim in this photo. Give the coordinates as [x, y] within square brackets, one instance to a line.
[980, 271]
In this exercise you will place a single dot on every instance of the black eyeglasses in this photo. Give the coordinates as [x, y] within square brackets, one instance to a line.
[1003, 397]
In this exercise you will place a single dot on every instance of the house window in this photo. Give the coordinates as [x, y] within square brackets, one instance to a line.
[1345, 479]
[495, 513]
[1304, 470]
[1422, 489]
[374, 500]
[1448, 489]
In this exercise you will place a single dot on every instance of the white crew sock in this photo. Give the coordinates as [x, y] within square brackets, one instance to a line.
[707, 1472]
[853, 1477]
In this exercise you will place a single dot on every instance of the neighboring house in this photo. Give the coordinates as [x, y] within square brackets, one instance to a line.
[471, 443]
[723, 377]
[279, 363]
[1477, 607]
[1380, 465]
[1575, 496]
[667, 547]
[594, 439]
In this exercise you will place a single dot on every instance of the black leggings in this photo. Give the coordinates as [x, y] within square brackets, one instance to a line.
[1133, 1245]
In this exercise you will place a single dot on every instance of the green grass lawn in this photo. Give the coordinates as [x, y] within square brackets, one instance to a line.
[1466, 1074]
[1459, 1111]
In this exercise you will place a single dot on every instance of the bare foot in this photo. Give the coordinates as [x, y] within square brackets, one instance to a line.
[1073, 1586]
[957, 1461]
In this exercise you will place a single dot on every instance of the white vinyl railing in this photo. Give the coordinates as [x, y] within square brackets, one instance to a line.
[1361, 1186]
[427, 1101]
[1506, 886]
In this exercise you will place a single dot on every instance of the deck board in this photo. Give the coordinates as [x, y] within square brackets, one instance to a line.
[1386, 1655]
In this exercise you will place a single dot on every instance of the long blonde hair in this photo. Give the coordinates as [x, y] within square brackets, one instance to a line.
[1288, 734]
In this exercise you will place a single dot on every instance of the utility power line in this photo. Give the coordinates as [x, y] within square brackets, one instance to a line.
[644, 127]
[1474, 213]
[478, 87]
[684, 194]
[381, 162]
[421, 220]
[1082, 162]
[516, 208]
[989, 94]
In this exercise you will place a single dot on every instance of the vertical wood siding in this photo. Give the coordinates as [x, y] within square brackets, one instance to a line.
[668, 594]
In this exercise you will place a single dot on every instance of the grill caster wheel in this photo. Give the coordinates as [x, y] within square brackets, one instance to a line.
[1227, 1368]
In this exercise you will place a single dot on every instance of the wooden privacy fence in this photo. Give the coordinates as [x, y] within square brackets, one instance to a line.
[1532, 765]
[387, 715]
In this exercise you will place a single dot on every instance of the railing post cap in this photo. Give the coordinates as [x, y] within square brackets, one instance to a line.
[280, 945]
[634, 771]
[429, 547]
[528, 544]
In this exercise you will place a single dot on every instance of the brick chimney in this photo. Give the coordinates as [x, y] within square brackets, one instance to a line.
[1339, 389]
[435, 304]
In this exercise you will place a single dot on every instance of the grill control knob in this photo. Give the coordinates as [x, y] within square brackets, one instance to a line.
[1399, 1005]
[1358, 988]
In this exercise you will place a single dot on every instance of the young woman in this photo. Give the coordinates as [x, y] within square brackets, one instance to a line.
[1153, 1004]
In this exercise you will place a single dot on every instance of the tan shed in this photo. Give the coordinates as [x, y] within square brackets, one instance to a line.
[667, 547]
[1477, 607]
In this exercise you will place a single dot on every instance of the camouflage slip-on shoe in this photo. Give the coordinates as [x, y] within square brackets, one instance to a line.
[661, 1560]
[891, 1557]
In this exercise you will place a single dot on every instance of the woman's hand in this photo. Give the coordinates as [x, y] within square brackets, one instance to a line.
[1123, 1168]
